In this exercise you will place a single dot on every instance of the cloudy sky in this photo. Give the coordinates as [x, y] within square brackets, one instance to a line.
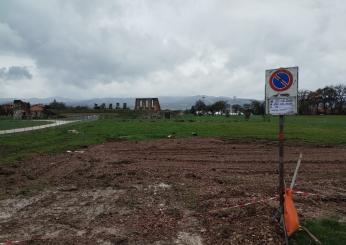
[84, 49]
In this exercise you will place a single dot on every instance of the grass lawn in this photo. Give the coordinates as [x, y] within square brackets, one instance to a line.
[11, 123]
[314, 129]
[327, 231]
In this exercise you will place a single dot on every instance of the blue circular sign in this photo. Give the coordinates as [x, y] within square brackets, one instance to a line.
[281, 80]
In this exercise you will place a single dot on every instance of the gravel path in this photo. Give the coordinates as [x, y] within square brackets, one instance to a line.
[54, 123]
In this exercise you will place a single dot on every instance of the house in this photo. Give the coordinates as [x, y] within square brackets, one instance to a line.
[37, 111]
[7, 109]
[21, 109]
[147, 104]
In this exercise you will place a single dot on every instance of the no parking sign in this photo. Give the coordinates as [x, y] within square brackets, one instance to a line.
[281, 90]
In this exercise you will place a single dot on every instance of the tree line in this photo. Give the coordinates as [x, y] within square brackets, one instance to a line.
[103, 106]
[255, 107]
[327, 100]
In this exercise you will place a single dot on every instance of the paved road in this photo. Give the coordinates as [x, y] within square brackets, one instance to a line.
[53, 124]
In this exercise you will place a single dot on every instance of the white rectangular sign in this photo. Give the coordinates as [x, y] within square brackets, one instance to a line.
[282, 106]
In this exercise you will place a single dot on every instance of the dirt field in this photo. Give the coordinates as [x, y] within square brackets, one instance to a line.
[172, 191]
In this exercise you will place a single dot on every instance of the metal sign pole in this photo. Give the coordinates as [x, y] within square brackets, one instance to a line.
[281, 161]
[281, 173]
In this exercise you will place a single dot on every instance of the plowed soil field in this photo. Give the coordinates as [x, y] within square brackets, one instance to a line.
[170, 191]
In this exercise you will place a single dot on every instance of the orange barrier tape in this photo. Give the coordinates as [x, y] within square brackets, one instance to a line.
[254, 202]
[263, 200]
[9, 242]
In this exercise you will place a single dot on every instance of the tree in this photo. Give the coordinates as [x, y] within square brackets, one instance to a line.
[78, 107]
[247, 114]
[103, 106]
[340, 91]
[57, 105]
[236, 108]
[304, 105]
[330, 99]
[246, 109]
[257, 107]
[96, 107]
[327, 97]
[110, 106]
[314, 99]
[200, 106]
[193, 110]
[218, 106]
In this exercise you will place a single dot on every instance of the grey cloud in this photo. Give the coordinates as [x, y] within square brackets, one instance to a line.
[15, 73]
[83, 44]
[9, 39]
[79, 47]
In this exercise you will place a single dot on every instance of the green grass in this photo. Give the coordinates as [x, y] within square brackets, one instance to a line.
[11, 123]
[314, 129]
[328, 231]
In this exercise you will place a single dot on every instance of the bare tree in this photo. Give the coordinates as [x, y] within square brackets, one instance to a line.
[304, 104]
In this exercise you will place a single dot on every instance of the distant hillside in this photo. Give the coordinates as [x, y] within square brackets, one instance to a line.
[167, 102]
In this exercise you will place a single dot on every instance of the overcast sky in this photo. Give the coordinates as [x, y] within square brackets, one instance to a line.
[85, 49]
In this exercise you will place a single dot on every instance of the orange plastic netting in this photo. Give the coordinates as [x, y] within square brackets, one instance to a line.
[290, 213]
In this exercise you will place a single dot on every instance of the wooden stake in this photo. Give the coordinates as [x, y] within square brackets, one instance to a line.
[310, 235]
[296, 171]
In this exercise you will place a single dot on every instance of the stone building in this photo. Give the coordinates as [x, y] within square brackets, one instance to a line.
[147, 104]
[37, 111]
[7, 109]
[21, 109]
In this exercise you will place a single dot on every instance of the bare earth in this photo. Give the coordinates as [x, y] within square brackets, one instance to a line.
[171, 191]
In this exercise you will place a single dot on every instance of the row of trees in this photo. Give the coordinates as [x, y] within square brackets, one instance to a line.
[201, 107]
[55, 105]
[256, 107]
[62, 106]
[103, 106]
[327, 100]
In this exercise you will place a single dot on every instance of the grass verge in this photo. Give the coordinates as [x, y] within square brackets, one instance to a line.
[329, 231]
